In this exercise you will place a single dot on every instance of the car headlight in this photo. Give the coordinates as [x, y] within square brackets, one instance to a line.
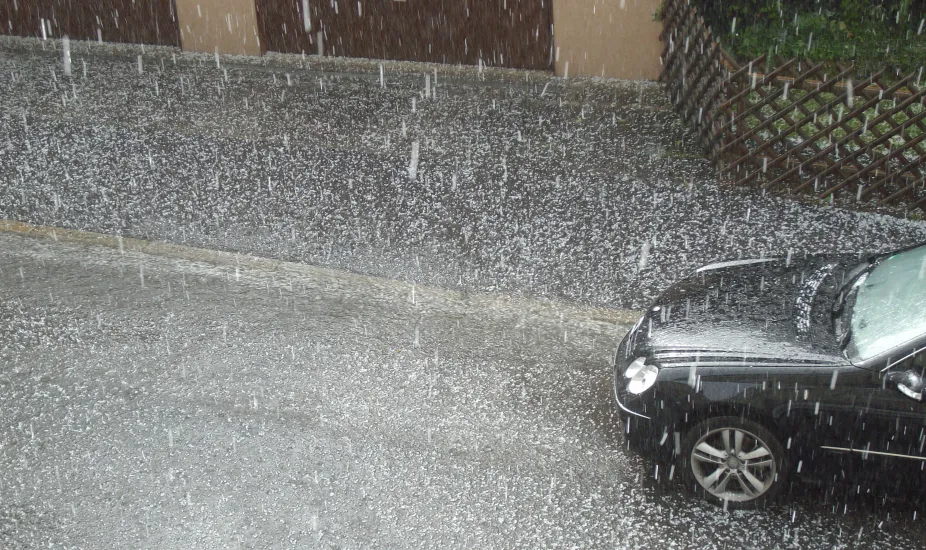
[642, 376]
[635, 367]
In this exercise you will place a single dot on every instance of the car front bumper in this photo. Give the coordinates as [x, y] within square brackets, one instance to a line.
[648, 421]
[628, 403]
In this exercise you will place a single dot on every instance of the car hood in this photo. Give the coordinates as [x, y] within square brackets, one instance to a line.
[773, 311]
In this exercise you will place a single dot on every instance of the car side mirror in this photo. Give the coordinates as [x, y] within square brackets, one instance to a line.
[909, 383]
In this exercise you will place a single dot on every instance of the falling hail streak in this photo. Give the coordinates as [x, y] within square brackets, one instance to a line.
[306, 18]
[644, 256]
[413, 164]
[66, 52]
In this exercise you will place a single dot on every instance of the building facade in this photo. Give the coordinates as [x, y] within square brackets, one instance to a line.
[605, 38]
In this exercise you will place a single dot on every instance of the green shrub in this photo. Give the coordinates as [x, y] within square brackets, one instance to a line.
[891, 33]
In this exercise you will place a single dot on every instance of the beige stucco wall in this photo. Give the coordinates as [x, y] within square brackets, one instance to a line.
[610, 38]
[229, 25]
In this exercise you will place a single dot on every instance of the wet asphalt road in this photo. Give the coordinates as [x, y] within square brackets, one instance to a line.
[523, 183]
[151, 402]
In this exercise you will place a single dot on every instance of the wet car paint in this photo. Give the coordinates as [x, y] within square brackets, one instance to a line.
[755, 338]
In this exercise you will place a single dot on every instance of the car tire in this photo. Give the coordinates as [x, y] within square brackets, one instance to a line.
[734, 462]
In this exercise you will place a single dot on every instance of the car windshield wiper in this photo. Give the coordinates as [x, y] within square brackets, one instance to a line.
[851, 287]
[842, 309]
[853, 283]
[846, 339]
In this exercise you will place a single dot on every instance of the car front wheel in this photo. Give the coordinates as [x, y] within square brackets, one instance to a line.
[734, 462]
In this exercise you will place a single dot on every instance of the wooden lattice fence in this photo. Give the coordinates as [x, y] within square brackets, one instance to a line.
[796, 127]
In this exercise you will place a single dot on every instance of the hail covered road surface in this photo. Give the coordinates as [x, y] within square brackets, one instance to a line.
[479, 179]
[166, 401]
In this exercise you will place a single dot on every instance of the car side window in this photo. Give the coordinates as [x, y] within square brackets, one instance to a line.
[918, 361]
[914, 360]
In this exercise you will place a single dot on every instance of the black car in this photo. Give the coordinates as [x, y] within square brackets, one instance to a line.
[749, 372]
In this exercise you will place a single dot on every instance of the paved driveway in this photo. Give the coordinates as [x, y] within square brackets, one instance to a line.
[584, 189]
[156, 402]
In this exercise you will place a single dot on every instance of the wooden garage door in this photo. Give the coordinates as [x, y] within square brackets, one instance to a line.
[509, 33]
[133, 21]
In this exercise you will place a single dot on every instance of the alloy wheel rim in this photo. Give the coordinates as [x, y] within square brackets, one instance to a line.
[733, 464]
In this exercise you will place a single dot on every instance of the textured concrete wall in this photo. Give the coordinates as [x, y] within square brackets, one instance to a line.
[227, 25]
[609, 38]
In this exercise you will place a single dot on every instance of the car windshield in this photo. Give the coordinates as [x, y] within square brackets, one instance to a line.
[890, 307]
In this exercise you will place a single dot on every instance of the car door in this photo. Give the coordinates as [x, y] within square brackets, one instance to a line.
[872, 418]
[898, 411]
